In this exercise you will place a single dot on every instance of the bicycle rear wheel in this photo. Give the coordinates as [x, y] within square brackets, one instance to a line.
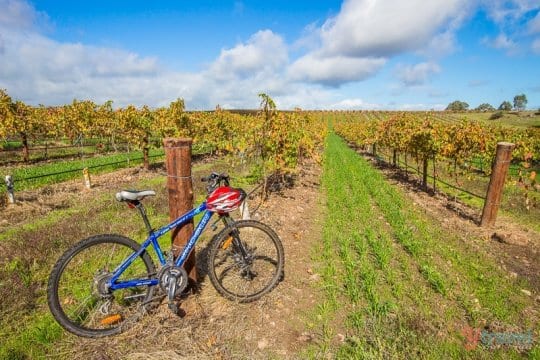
[77, 293]
[248, 265]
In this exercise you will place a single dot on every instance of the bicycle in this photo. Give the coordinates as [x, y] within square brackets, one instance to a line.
[105, 283]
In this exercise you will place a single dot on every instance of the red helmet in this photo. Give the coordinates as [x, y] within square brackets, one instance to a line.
[225, 199]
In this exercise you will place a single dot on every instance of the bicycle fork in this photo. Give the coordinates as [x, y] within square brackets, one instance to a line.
[243, 257]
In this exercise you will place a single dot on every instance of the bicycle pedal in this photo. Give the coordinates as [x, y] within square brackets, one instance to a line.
[174, 308]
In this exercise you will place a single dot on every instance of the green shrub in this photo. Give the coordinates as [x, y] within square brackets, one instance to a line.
[496, 115]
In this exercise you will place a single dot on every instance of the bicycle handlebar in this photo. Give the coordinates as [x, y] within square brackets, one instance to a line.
[214, 180]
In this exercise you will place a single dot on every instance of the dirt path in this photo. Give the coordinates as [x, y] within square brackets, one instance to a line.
[276, 326]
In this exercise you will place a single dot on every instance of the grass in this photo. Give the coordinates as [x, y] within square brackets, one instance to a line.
[29, 251]
[523, 119]
[11, 152]
[396, 282]
[37, 175]
[513, 119]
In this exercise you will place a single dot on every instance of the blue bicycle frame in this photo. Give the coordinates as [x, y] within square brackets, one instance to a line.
[153, 236]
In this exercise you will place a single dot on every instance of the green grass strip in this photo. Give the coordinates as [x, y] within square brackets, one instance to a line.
[365, 215]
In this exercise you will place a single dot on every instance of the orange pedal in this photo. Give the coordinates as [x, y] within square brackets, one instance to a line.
[111, 319]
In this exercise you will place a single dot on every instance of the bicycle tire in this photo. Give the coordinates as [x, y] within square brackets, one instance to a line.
[76, 276]
[232, 277]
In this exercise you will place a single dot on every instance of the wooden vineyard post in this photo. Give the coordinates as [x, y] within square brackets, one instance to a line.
[86, 177]
[178, 162]
[10, 189]
[496, 183]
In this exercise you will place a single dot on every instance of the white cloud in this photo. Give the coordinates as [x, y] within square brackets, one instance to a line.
[533, 26]
[535, 46]
[354, 104]
[352, 46]
[310, 38]
[440, 45]
[358, 41]
[505, 11]
[501, 42]
[17, 15]
[384, 28]
[335, 70]
[38, 69]
[512, 19]
[263, 52]
[422, 106]
[418, 74]
[477, 83]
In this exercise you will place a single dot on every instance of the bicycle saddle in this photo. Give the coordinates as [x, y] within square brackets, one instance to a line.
[133, 195]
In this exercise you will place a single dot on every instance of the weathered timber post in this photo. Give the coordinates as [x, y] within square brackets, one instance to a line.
[86, 176]
[10, 189]
[178, 162]
[496, 183]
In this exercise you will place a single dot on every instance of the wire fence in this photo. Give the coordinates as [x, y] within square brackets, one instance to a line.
[435, 179]
[57, 150]
[469, 184]
[26, 182]
[57, 169]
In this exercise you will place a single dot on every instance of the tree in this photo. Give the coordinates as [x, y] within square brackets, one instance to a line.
[457, 106]
[505, 106]
[485, 107]
[520, 102]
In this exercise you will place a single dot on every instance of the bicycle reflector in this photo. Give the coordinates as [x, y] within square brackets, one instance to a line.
[227, 243]
[111, 319]
[225, 199]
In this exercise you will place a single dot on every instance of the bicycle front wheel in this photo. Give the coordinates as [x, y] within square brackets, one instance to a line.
[77, 292]
[245, 261]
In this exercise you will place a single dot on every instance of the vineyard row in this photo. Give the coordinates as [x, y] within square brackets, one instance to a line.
[275, 139]
[424, 136]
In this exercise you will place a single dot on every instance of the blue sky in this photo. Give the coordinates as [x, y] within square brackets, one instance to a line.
[353, 54]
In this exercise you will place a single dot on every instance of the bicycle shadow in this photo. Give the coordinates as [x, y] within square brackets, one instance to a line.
[201, 262]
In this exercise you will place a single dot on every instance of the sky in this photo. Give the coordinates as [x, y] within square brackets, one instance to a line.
[352, 54]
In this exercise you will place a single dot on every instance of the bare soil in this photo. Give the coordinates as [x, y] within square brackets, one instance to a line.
[213, 327]
[278, 325]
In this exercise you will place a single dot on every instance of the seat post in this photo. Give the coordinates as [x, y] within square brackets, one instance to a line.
[142, 211]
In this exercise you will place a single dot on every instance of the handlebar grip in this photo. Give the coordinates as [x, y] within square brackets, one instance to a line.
[215, 176]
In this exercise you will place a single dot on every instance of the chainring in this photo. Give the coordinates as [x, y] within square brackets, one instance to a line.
[170, 271]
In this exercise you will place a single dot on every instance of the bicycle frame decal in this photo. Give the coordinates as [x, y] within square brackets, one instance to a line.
[114, 284]
[191, 243]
